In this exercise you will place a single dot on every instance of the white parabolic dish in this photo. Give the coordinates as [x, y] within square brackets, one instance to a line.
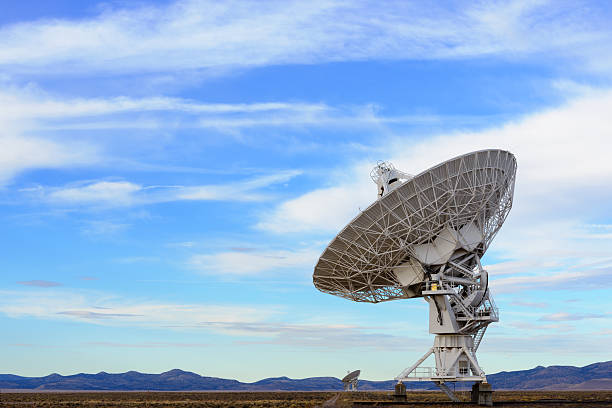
[352, 376]
[452, 209]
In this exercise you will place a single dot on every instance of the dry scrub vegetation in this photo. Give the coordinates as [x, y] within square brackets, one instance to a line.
[290, 399]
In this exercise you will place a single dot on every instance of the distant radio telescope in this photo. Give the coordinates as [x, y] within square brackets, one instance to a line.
[424, 237]
[350, 380]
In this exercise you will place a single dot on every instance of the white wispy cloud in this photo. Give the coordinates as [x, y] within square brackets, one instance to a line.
[322, 209]
[519, 266]
[103, 227]
[34, 124]
[539, 327]
[243, 323]
[565, 317]
[39, 130]
[19, 153]
[22, 151]
[105, 194]
[147, 345]
[184, 244]
[137, 259]
[545, 280]
[105, 309]
[33, 103]
[35, 110]
[199, 34]
[115, 192]
[326, 336]
[559, 344]
[239, 262]
[531, 305]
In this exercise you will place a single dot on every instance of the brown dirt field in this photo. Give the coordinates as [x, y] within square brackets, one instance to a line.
[533, 399]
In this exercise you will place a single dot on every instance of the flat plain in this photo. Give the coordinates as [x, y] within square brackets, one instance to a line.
[292, 399]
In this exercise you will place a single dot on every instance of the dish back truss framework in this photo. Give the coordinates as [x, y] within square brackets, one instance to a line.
[424, 237]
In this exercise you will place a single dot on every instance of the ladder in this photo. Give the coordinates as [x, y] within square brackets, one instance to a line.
[447, 391]
[478, 337]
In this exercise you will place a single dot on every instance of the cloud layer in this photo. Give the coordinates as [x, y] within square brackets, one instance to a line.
[561, 152]
[109, 194]
[246, 324]
[254, 262]
[105, 309]
[192, 34]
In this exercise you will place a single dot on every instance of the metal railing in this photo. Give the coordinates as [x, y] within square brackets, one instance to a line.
[422, 372]
[486, 309]
[432, 372]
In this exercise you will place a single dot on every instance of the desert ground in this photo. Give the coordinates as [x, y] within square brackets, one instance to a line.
[291, 399]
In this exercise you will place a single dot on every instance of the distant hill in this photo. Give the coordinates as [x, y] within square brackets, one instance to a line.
[555, 378]
[596, 376]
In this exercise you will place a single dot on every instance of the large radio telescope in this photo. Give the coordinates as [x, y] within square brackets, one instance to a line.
[424, 237]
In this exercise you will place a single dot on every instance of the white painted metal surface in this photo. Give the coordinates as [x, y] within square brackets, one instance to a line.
[454, 208]
[424, 237]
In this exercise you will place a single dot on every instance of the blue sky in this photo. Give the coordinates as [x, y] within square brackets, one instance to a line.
[171, 171]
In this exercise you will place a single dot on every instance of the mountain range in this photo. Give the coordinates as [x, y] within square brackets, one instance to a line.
[596, 376]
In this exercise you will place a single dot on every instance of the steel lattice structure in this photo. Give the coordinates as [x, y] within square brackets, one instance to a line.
[472, 190]
[424, 237]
